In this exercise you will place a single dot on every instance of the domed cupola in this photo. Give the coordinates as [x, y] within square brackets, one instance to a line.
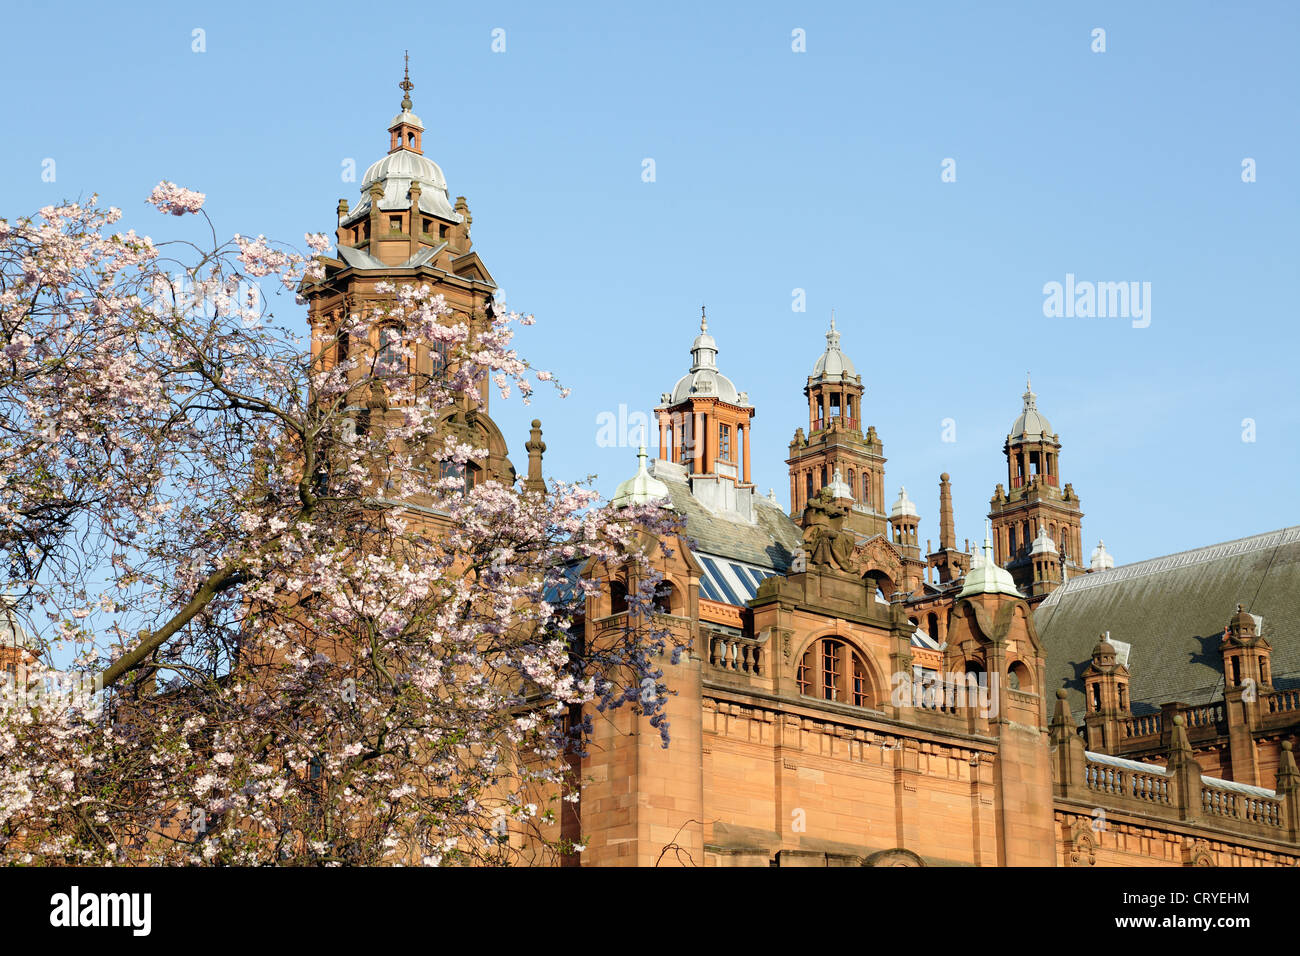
[704, 380]
[833, 365]
[987, 577]
[404, 196]
[642, 488]
[1031, 425]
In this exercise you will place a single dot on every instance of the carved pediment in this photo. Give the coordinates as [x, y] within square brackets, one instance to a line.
[878, 554]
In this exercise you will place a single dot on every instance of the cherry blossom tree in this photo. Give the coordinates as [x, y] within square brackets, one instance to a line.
[300, 639]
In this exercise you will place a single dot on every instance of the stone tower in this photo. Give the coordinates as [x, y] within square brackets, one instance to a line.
[1033, 502]
[405, 230]
[704, 426]
[835, 443]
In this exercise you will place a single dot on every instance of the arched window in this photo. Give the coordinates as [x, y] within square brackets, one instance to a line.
[932, 625]
[1018, 677]
[852, 484]
[823, 484]
[831, 670]
[866, 488]
[664, 598]
[808, 488]
[617, 597]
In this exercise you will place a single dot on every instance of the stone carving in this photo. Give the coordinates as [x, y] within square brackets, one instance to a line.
[1083, 845]
[824, 538]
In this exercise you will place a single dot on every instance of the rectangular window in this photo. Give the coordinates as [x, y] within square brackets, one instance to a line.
[804, 674]
[394, 223]
[831, 670]
[724, 442]
[859, 686]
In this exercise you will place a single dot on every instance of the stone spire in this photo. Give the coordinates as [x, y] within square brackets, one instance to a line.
[947, 535]
[535, 448]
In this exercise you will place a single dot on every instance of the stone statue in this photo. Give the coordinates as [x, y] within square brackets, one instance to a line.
[825, 541]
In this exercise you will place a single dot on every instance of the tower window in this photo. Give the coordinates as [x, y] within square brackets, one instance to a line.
[390, 362]
[724, 442]
[394, 223]
[617, 597]
[852, 484]
[866, 489]
[808, 485]
[442, 231]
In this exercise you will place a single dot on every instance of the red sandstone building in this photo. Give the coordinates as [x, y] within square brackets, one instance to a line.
[849, 699]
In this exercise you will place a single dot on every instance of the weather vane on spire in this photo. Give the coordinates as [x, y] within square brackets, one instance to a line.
[406, 85]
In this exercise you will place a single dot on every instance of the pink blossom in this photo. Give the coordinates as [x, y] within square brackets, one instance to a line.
[169, 197]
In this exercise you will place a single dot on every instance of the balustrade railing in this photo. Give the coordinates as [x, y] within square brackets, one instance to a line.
[1281, 701]
[739, 654]
[1206, 715]
[1144, 725]
[1250, 808]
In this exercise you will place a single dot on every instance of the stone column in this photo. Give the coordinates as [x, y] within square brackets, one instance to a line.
[745, 431]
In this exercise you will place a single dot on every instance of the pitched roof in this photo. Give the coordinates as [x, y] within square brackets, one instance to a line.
[769, 542]
[1173, 611]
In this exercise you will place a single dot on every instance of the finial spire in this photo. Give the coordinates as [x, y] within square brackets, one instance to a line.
[406, 85]
[833, 336]
[1028, 387]
[704, 320]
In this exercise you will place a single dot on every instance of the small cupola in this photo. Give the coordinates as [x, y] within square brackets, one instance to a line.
[406, 129]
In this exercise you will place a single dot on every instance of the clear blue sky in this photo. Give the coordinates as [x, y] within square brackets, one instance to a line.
[778, 170]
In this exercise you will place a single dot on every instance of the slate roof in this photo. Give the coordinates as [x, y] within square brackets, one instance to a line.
[1173, 610]
[768, 543]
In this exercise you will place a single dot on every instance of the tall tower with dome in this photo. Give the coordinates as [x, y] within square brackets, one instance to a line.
[1037, 522]
[405, 229]
[835, 443]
